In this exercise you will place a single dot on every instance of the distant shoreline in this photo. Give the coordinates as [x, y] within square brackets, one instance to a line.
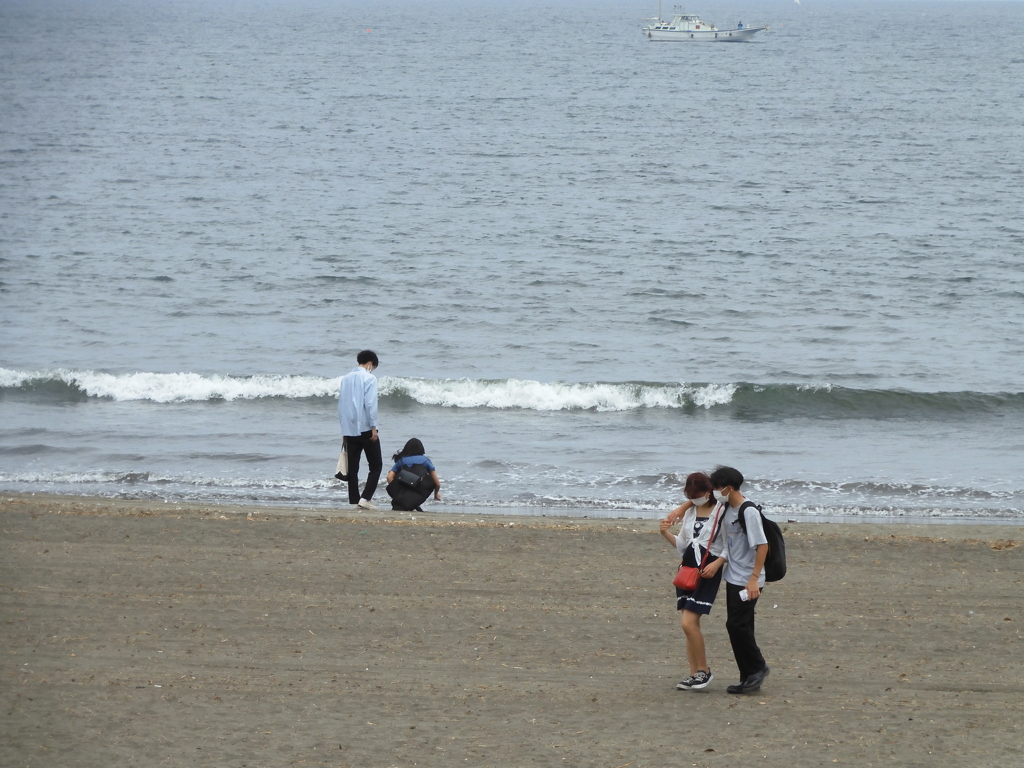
[526, 516]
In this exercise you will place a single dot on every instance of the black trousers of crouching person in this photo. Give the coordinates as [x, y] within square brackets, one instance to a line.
[356, 445]
[740, 625]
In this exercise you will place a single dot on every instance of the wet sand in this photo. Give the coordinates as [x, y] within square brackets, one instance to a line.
[151, 634]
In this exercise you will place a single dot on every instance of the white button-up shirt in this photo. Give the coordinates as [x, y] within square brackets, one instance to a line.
[357, 402]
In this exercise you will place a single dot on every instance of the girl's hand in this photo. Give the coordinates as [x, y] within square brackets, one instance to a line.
[669, 537]
[437, 495]
[710, 569]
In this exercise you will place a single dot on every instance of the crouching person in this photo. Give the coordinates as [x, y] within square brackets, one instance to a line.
[413, 478]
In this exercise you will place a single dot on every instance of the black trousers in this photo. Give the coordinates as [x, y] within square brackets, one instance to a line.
[357, 445]
[740, 624]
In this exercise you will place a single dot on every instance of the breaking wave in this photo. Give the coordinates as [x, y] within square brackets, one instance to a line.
[164, 387]
[557, 396]
[454, 393]
[742, 400]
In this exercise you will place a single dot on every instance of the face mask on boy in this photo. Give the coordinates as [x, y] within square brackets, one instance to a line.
[723, 495]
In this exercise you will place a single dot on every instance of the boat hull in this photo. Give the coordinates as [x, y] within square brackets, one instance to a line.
[702, 35]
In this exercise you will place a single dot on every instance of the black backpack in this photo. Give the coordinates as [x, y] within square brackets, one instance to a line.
[411, 487]
[775, 563]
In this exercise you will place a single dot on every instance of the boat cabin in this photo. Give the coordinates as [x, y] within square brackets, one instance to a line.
[683, 22]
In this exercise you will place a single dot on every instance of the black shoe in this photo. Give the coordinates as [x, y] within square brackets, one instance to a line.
[738, 688]
[702, 680]
[340, 476]
[685, 684]
[753, 683]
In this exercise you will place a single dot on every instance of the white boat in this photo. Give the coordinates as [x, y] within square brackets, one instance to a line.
[688, 27]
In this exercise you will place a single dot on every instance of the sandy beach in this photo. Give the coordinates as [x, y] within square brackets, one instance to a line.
[152, 634]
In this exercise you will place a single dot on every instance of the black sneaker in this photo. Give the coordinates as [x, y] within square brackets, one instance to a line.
[687, 683]
[701, 680]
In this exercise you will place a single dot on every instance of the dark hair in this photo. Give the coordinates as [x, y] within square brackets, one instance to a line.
[697, 484]
[412, 448]
[727, 476]
[367, 356]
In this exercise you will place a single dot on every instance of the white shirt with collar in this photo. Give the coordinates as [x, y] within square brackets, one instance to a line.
[357, 402]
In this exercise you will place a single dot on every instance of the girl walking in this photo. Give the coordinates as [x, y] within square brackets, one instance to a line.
[697, 549]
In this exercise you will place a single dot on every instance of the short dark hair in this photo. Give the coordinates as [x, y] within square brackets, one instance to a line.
[367, 356]
[727, 476]
[697, 483]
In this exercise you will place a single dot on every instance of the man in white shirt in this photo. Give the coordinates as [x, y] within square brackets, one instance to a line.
[357, 411]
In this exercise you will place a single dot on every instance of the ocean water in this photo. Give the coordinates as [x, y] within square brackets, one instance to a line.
[590, 264]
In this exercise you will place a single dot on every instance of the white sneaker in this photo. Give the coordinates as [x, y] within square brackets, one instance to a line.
[366, 504]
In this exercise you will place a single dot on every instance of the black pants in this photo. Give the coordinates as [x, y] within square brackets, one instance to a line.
[356, 446]
[740, 624]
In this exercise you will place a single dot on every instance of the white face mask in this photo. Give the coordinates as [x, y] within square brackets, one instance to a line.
[701, 501]
[723, 496]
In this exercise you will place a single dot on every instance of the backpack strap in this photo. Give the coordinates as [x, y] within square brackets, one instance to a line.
[742, 517]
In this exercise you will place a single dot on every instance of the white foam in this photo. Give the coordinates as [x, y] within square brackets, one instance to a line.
[143, 479]
[176, 387]
[450, 393]
[9, 378]
[825, 387]
[556, 396]
[322, 491]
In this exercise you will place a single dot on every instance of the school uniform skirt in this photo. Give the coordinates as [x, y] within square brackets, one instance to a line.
[703, 597]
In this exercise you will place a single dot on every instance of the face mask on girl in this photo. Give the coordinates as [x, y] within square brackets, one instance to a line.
[701, 501]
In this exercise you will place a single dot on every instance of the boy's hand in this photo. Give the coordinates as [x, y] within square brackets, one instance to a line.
[753, 591]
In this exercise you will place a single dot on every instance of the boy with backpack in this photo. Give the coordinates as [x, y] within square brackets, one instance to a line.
[746, 551]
